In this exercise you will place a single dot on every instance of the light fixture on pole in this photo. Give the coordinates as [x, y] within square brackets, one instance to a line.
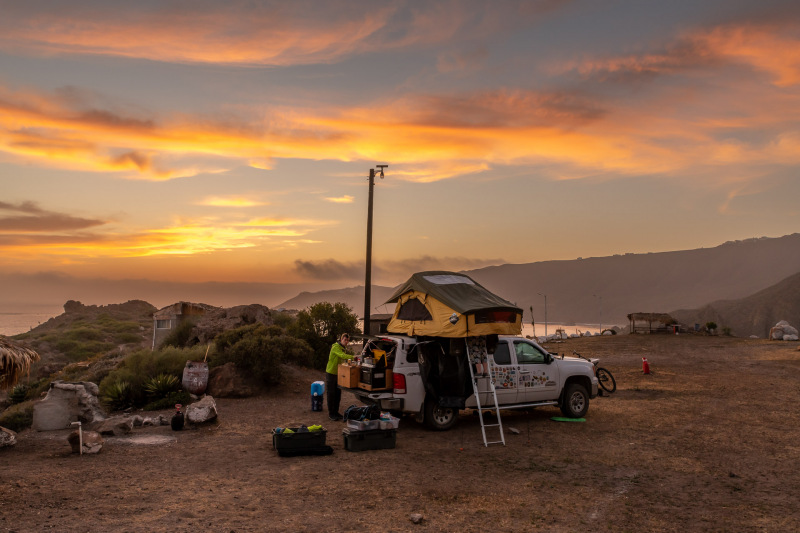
[368, 280]
[545, 312]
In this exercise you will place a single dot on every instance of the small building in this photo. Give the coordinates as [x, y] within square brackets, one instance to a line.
[653, 323]
[167, 319]
[378, 324]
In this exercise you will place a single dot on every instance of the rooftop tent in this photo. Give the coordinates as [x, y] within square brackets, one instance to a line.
[448, 304]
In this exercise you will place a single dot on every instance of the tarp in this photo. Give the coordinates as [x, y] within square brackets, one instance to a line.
[449, 304]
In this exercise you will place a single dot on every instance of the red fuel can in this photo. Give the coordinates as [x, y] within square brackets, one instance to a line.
[645, 365]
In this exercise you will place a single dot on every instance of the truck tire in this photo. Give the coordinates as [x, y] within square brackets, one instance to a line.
[439, 418]
[575, 403]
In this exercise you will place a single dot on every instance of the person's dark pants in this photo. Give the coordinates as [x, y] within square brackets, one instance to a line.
[333, 393]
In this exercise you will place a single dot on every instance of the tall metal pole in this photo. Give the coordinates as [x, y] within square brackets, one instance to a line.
[368, 280]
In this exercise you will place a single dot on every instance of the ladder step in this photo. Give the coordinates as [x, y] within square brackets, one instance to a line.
[495, 442]
[491, 425]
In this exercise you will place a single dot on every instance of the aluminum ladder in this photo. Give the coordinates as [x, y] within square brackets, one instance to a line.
[488, 379]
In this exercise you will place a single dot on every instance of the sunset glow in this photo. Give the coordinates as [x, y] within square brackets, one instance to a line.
[133, 137]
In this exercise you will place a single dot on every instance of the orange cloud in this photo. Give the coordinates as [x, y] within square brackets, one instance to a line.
[346, 199]
[248, 34]
[230, 201]
[28, 233]
[773, 49]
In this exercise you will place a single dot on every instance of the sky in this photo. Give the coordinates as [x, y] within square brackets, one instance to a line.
[200, 141]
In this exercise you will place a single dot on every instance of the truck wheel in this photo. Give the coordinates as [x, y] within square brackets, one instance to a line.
[575, 402]
[440, 418]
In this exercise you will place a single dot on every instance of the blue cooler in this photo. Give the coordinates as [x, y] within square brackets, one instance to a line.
[317, 391]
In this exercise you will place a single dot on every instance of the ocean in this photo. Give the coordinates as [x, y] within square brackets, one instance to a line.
[16, 322]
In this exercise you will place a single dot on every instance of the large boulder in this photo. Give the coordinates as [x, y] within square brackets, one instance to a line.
[227, 381]
[783, 331]
[118, 426]
[204, 410]
[66, 403]
[7, 437]
[92, 441]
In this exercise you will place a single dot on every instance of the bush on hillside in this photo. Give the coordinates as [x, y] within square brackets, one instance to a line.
[180, 336]
[255, 350]
[321, 325]
[138, 368]
[18, 417]
[182, 397]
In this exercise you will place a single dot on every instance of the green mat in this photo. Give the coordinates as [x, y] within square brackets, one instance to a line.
[564, 419]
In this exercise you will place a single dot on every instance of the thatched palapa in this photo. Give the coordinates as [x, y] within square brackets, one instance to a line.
[15, 361]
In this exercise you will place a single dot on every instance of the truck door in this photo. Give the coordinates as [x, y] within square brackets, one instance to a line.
[538, 380]
[505, 376]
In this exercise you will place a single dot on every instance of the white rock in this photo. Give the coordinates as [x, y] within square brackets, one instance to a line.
[204, 410]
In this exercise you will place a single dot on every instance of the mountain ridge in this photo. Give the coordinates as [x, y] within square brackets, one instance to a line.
[606, 289]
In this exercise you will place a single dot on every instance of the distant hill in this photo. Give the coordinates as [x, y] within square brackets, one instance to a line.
[607, 289]
[753, 315]
[654, 282]
[352, 296]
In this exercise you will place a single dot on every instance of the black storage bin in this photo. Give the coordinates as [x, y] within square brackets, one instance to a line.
[374, 377]
[374, 439]
[300, 443]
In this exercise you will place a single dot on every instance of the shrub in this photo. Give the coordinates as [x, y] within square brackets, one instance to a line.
[142, 365]
[321, 325]
[161, 386]
[127, 338]
[253, 350]
[18, 394]
[117, 396]
[181, 397]
[180, 336]
[17, 417]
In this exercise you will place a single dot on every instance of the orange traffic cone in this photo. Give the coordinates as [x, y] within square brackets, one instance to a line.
[645, 365]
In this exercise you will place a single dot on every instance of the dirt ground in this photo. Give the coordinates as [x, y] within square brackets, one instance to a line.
[708, 442]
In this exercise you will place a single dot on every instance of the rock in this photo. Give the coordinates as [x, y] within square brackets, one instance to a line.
[416, 518]
[8, 438]
[116, 426]
[782, 330]
[147, 422]
[162, 421]
[92, 441]
[202, 411]
[227, 382]
[515, 431]
[66, 403]
[137, 420]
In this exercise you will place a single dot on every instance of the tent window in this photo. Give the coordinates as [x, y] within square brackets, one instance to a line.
[493, 316]
[413, 309]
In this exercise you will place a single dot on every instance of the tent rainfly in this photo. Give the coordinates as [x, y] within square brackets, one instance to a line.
[449, 304]
[15, 360]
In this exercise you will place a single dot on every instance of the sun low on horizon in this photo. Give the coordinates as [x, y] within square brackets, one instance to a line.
[233, 141]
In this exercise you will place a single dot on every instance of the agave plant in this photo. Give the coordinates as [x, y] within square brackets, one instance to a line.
[161, 385]
[18, 394]
[118, 395]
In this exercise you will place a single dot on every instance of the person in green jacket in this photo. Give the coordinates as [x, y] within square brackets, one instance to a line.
[337, 356]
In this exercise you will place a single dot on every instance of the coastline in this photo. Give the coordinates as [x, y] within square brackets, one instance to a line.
[16, 322]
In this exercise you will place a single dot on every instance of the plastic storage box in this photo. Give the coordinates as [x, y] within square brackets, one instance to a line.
[300, 443]
[363, 425]
[376, 439]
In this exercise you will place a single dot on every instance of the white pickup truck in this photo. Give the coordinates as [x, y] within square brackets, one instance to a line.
[431, 379]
